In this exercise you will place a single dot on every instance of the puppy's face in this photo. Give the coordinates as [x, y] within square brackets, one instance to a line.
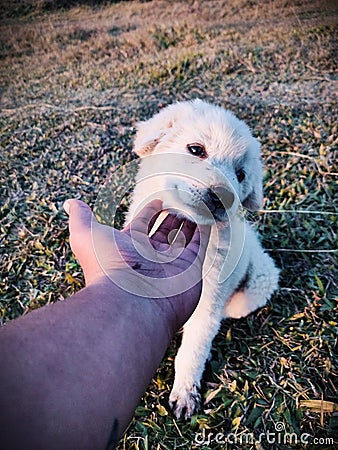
[201, 160]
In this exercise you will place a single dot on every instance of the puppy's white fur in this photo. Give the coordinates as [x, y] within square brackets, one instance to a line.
[249, 275]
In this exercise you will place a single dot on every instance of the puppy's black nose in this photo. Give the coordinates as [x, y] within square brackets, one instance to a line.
[219, 199]
[215, 199]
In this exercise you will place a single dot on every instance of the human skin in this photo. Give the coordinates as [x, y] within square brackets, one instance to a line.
[73, 372]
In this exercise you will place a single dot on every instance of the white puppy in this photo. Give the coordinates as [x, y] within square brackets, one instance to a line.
[205, 164]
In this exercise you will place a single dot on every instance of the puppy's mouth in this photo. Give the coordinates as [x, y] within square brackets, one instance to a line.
[204, 205]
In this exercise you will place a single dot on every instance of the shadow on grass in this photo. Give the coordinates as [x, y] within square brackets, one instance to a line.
[19, 8]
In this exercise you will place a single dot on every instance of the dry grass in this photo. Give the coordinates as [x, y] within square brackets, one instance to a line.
[73, 83]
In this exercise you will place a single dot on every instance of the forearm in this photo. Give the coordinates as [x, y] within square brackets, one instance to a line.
[73, 370]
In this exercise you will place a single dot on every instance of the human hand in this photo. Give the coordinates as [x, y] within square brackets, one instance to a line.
[147, 267]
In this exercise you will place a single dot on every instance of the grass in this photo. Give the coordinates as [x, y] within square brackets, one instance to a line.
[74, 82]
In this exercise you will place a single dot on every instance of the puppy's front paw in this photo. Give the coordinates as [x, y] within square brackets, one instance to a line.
[184, 402]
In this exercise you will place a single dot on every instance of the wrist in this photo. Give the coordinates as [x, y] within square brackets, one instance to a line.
[163, 310]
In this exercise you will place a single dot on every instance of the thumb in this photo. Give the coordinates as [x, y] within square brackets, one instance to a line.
[80, 215]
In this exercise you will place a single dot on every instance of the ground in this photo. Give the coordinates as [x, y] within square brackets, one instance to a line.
[76, 77]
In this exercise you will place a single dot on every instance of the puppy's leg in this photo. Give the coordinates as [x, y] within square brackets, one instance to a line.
[203, 325]
[257, 285]
[198, 334]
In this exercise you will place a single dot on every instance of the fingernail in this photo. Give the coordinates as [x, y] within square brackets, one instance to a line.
[66, 206]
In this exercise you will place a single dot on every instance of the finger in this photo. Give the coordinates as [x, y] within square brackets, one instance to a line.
[146, 218]
[166, 229]
[81, 216]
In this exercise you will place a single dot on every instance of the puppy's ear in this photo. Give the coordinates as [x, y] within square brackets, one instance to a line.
[152, 131]
[254, 198]
[254, 201]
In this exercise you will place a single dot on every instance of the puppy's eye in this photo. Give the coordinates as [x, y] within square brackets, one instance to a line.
[197, 150]
[240, 174]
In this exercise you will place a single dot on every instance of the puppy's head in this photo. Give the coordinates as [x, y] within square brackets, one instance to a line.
[203, 157]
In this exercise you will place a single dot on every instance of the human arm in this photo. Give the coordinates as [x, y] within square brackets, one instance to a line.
[73, 372]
